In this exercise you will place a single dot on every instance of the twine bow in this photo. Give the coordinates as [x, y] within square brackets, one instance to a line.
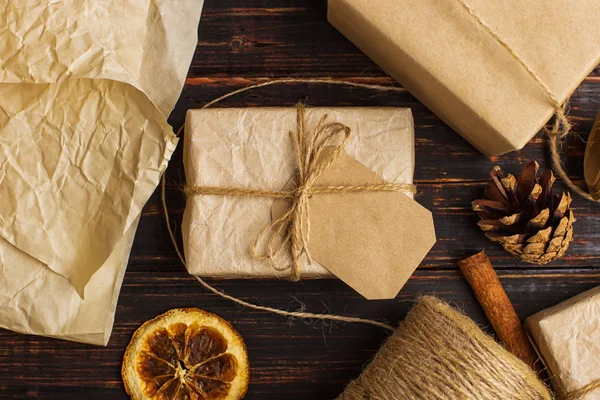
[312, 160]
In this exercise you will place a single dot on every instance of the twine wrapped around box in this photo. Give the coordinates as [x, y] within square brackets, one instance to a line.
[561, 126]
[314, 152]
[427, 330]
[243, 303]
[439, 353]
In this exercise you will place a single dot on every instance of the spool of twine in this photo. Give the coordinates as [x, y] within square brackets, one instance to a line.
[439, 353]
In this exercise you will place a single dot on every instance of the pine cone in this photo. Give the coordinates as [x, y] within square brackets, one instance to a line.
[525, 216]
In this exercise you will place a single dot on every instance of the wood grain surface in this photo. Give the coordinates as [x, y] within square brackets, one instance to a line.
[247, 41]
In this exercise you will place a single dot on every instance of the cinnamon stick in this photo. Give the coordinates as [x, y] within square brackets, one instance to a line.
[482, 277]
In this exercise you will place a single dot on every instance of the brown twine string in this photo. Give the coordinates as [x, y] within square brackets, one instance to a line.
[309, 147]
[283, 313]
[579, 393]
[439, 353]
[561, 126]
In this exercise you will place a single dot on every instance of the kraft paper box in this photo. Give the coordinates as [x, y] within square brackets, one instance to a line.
[251, 148]
[85, 91]
[567, 337]
[439, 53]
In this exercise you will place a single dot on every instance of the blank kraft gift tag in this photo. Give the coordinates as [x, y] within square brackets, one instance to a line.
[372, 241]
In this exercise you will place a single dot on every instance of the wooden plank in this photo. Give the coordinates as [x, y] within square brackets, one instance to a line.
[275, 38]
[243, 42]
[290, 359]
[441, 154]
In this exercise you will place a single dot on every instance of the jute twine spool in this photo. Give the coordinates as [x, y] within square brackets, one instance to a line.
[439, 353]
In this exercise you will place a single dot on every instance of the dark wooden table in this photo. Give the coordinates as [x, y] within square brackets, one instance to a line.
[247, 41]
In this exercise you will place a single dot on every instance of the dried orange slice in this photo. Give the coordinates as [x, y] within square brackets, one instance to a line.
[186, 354]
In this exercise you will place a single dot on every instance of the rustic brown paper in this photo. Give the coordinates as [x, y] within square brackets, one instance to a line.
[568, 338]
[251, 148]
[591, 160]
[36, 300]
[85, 89]
[439, 53]
[371, 241]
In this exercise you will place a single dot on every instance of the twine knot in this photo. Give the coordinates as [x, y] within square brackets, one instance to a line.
[302, 191]
[561, 126]
[311, 162]
[293, 227]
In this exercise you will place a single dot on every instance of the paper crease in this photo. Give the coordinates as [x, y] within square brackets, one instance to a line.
[84, 140]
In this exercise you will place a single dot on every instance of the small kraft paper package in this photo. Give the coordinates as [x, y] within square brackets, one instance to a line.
[567, 337]
[85, 91]
[441, 53]
[371, 239]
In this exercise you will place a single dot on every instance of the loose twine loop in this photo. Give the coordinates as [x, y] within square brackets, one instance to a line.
[311, 161]
[283, 313]
[561, 127]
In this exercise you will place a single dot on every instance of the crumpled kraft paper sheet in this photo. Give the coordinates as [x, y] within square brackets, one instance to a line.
[85, 90]
[35, 299]
[251, 147]
[568, 339]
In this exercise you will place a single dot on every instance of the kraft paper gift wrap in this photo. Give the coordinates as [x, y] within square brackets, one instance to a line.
[591, 160]
[85, 91]
[567, 337]
[36, 300]
[441, 55]
[251, 148]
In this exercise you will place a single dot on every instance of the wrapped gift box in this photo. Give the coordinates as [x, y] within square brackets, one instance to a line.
[567, 337]
[251, 148]
[441, 55]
